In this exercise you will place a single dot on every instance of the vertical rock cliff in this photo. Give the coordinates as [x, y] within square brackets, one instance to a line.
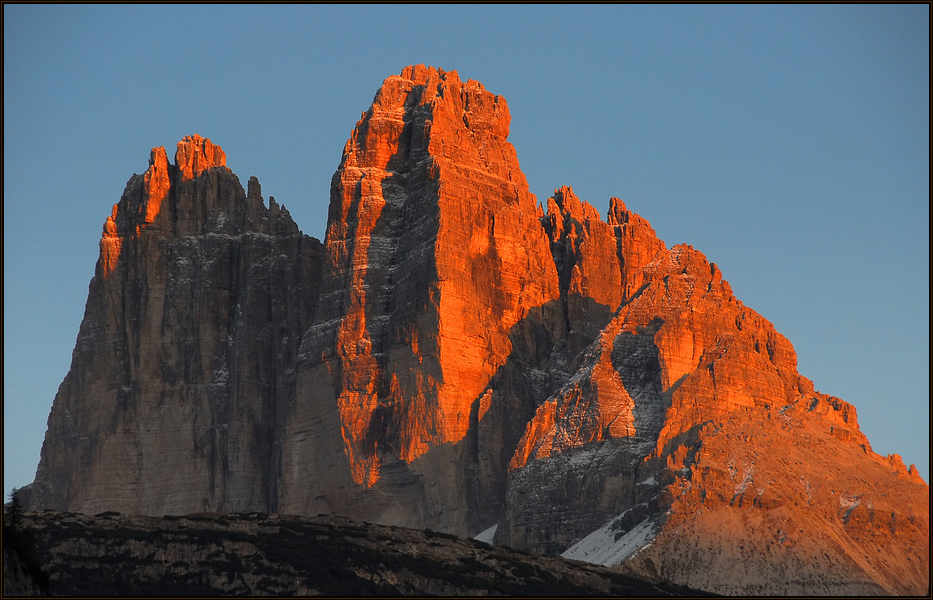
[451, 307]
[434, 254]
[460, 357]
[184, 361]
[687, 444]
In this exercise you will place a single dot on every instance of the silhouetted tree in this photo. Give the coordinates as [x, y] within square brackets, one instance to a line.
[19, 539]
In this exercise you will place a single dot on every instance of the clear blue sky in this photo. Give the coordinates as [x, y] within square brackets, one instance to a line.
[789, 143]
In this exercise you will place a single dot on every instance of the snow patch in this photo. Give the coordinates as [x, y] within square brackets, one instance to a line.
[848, 503]
[606, 547]
[650, 481]
[487, 535]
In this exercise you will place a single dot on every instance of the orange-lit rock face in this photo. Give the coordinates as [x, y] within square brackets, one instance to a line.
[110, 244]
[687, 416]
[193, 156]
[156, 184]
[803, 511]
[434, 252]
[137, 213]
[710, 354]
[589, 265]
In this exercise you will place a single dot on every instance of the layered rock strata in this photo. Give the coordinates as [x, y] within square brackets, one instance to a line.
[184, 361]
[687, 444]
[451, 307]
[434, 255]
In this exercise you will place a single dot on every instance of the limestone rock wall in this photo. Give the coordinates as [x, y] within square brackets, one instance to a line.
[184, 361]
[434, 253]
[687, 420]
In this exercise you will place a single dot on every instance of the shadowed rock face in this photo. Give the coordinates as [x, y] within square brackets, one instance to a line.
[456, 357]
[185, 358]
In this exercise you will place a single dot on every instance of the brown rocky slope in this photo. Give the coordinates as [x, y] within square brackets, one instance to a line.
[468, 360]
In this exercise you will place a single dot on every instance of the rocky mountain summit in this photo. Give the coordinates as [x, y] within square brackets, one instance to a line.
[186, 354]
[458, 356]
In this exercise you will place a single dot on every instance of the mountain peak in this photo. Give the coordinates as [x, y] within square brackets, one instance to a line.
[421, 74]
[427, 112]
[195, 154]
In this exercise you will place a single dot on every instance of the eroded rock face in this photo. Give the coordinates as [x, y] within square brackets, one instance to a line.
[184, 361]
[434, 254]
[688, 434]
[774, 501]
[457, 357]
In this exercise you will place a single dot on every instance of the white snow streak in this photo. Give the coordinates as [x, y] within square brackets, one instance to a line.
[602, 548]
[487, 535]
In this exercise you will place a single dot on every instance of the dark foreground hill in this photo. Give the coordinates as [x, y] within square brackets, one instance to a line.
[256, 554]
